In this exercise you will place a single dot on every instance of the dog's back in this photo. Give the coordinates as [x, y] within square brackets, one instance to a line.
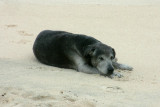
[56, 47]
[50, 48]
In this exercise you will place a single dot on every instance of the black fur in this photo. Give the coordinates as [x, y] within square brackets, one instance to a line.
[53, 47]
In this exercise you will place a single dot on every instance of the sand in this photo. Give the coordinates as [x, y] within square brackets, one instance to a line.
[132, 30]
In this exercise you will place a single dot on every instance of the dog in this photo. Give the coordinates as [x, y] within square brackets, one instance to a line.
[76, 51]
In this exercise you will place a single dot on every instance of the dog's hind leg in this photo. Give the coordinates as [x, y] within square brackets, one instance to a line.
[121, 66]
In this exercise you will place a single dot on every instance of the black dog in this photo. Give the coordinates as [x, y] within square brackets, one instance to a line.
[76, 51]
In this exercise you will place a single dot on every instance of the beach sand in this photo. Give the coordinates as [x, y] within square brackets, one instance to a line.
[132, 30]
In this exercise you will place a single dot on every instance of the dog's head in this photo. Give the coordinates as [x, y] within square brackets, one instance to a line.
[100, 56]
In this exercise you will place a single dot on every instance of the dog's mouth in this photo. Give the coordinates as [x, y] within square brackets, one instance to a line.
[108, 72]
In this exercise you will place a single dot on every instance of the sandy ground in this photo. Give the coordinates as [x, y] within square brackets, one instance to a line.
[134, 32]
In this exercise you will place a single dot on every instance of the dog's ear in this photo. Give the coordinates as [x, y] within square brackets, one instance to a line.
[88, 52]
[114, 53]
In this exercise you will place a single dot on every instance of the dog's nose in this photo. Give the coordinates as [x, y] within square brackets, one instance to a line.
[110, 70]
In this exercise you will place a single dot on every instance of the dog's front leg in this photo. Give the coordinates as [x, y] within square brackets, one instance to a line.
[82, 66]
[87, 69]
[116, 74]
[121, 66]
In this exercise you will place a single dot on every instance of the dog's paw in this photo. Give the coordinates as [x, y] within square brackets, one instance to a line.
[130, 68]
[126, 67]
[116, 74]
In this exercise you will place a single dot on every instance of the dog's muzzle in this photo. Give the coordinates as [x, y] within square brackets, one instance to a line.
[110, 70]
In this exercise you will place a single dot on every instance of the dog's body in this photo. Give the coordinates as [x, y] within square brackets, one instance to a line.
[75, 51]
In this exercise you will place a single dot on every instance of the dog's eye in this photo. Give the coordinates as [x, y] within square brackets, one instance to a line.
[101, 58]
